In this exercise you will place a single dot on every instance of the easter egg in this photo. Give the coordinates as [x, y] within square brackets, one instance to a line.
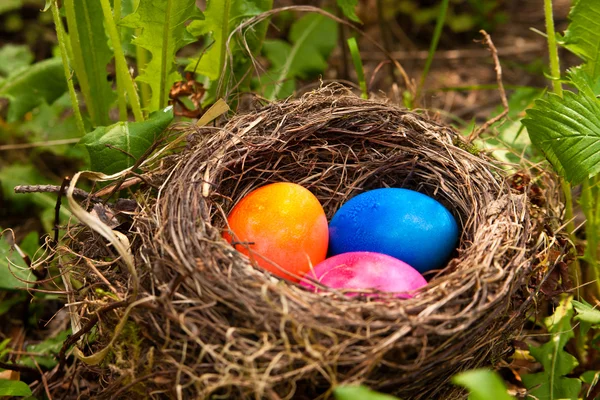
[402, 223]
[366, 270]
[282, 227]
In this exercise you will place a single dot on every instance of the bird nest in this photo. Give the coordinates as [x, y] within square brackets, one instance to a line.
[195, 319]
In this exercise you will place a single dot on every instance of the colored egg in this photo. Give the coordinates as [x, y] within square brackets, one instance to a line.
[282, 227]
[366, 270]
[402, 223]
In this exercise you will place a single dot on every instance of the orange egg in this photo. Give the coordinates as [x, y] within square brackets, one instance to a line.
[282, 227]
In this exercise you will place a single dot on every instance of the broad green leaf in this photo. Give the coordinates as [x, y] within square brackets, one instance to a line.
[117, 147]
[163, 33]
[567, 130]
[313, 38]
[359, 393]
[49, 348]
[42, 82]
[14, 57]
[582, 36]
[11, 265]
[14, 388]
[91, 54]
[551, 383]
[222, 18]
[26, 174]
[482, 384]
[348, 7]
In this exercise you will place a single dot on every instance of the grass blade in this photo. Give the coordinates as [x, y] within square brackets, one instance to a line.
[358, 65]
[439, 25]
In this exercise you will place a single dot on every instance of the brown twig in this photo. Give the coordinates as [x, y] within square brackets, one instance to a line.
[19, 368]
[78, 193]
[475, 134]
[43, 378]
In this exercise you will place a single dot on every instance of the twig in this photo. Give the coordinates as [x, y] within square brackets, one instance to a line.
[78, 193]
[43, 377]
[475, 134]
[61, 192]
[19, 368]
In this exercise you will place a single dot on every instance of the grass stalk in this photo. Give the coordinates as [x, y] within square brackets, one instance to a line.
[120, 61]
[574, 268]
[439, 25]
[121, 100]
[62, 38]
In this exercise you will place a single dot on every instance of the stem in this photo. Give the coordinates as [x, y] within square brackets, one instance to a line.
[590, 210]
[552, 48]
[224, 35]
[60, 33]
[121, 101]
[434, 43]
[120, 61]
[574, 268]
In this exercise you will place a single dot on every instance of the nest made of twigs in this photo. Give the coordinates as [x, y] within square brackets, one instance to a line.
[215, 325]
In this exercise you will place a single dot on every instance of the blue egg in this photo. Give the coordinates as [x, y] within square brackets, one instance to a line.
[402, 223]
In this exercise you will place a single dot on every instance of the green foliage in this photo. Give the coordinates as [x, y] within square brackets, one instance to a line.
[91, 54]
[359, 393]
[14, 57]
[313, 38]
[512, 142]
[222, 18]
[47, 350]
[567, 130]
[482, 384]
[39, 83]
[551, 383]
[117, 147]
[12, 267]
[21, 174]
[348, 7]
[588, 316]
[14, 388]
[582, 35]
[162, 33]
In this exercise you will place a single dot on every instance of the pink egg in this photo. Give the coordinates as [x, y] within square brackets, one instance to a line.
[365, 270]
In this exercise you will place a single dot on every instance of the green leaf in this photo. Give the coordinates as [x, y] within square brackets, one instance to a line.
[14, 388]
[359, 393]
[482, 384]
[11, 265]
[14, 57]
[26, 174]
[163, 33]
[41, 82]
[581, 37]
[91, 54]
[567, 130]
[551, 383]
[49, 348]
[314, 37]
[348, 7]
[587, 313]
[117, 147]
